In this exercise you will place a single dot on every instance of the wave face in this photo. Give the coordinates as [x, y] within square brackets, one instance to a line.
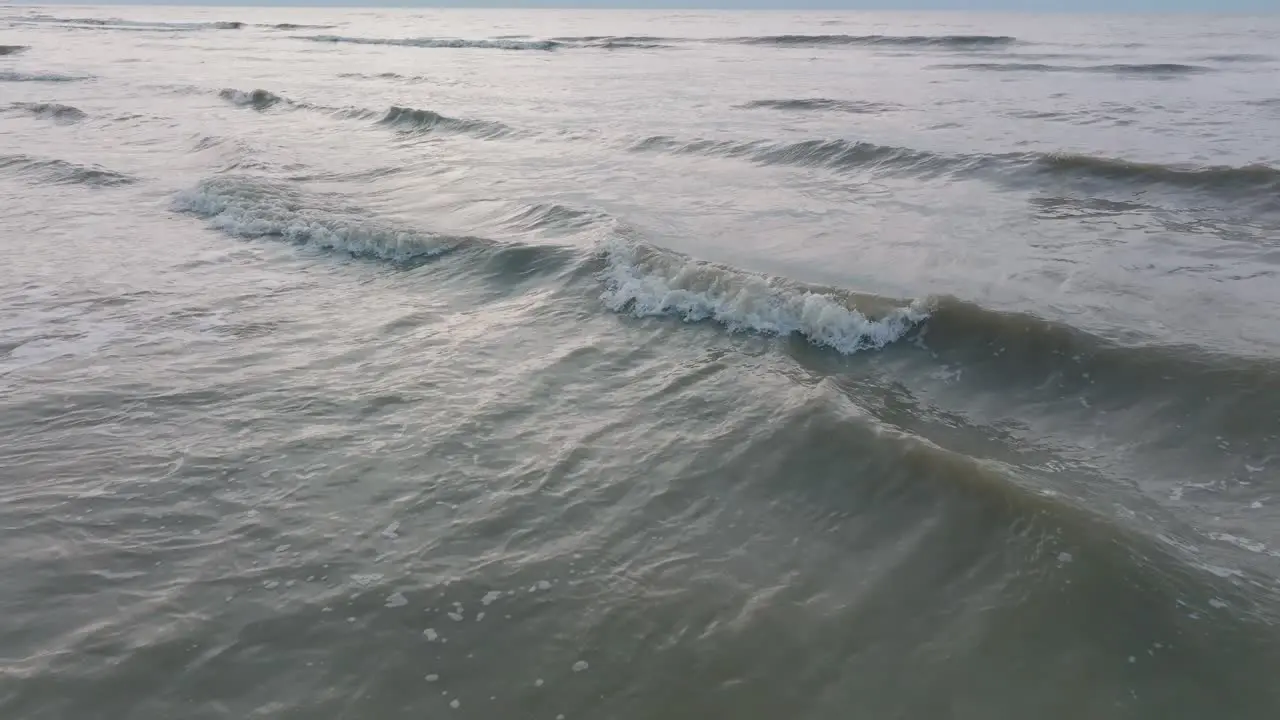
[13, 49]
[251, 207]
[821, 104]
[15, 76]
[61, 172]
[414, 120]
[454, 43]
[643, 281]
[52, 111]
[917, 41]
[1155, 69]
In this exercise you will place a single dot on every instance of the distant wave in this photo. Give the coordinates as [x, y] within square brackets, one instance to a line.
[615, 41]
[941, 41]
[52, 111]
[438, 42]
[644, 281]
[15, 76]
[427, 120]
[13, 49]
[1258, 180]
[116, 23]
[384, 76]
[401, 118]
[1161, 69]
[296, 26]
[61, 172]
[801, 104]
[1239, 58]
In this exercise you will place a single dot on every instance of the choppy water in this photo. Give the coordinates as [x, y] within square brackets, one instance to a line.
[575, 365]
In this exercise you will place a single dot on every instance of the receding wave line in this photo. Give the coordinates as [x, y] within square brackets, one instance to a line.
[644, 281]
[15, 76]
[13, 49]
[437, 42]
[296, 26]
[942, 41]
[61, 172]
[1159, 69]
[803, 104]
[52, 111]
[839, 155]
[401, 118]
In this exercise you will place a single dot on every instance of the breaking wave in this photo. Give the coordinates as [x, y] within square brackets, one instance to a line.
[823, 104]
[260, 99]
[61, 172]
[644, 281]
[438, 42]
[251, 207]
[52, 111]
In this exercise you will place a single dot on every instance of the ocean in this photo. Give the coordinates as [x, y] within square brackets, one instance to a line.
[631, 365]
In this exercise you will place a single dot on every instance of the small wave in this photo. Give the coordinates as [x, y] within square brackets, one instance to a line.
[15, 76]
[259, 99]
[612, 42]
[119, 24]
[1157, 69]
[553, 216]
[438, 42]
[252, 207]
[13, 49]
[1260, 178]
[61, 172]
[846, 155]
[823, 104]
[643, 281]
[384, 76]
[52, 111]
[428, 121]
[943, 41]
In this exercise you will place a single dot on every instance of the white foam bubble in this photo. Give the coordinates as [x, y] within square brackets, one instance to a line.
[538, 682]
[431, 635]
[392, 531]
[479, 617]
[395, 600]
[432, 678]
[455, 704]
[1217, 604]
[490, 597]
[367, 579]
[1064, 557]
[580, 666]
[456, 617]
[645, 282]
[1242, 543]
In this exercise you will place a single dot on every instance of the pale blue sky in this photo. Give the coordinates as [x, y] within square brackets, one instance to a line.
[1142, 6]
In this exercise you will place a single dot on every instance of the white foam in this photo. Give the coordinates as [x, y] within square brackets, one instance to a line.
[479, 617]
[456, 617]
[253, 208]
[431, 635]
[580, 666]
[490, 597]
[396, 600]
[455, 704]
[538, 682]
[392, 531]
[645, 282]
[1217, 604]
[1242, 543]
[432, 677]
[1064, 557]
[367, 579]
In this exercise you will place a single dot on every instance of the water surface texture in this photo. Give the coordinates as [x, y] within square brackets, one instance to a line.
[393, 364]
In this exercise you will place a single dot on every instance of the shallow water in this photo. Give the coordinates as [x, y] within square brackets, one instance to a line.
[634, 365]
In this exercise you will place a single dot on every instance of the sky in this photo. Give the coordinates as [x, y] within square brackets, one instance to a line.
[1111, 6]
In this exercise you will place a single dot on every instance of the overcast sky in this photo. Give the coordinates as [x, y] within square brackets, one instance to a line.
[1221, 6]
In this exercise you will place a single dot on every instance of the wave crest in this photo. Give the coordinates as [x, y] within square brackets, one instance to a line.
[644, 281]
[259, 99]
[846, 106]
[1153, 69]
[15, 76]
[416, 120]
